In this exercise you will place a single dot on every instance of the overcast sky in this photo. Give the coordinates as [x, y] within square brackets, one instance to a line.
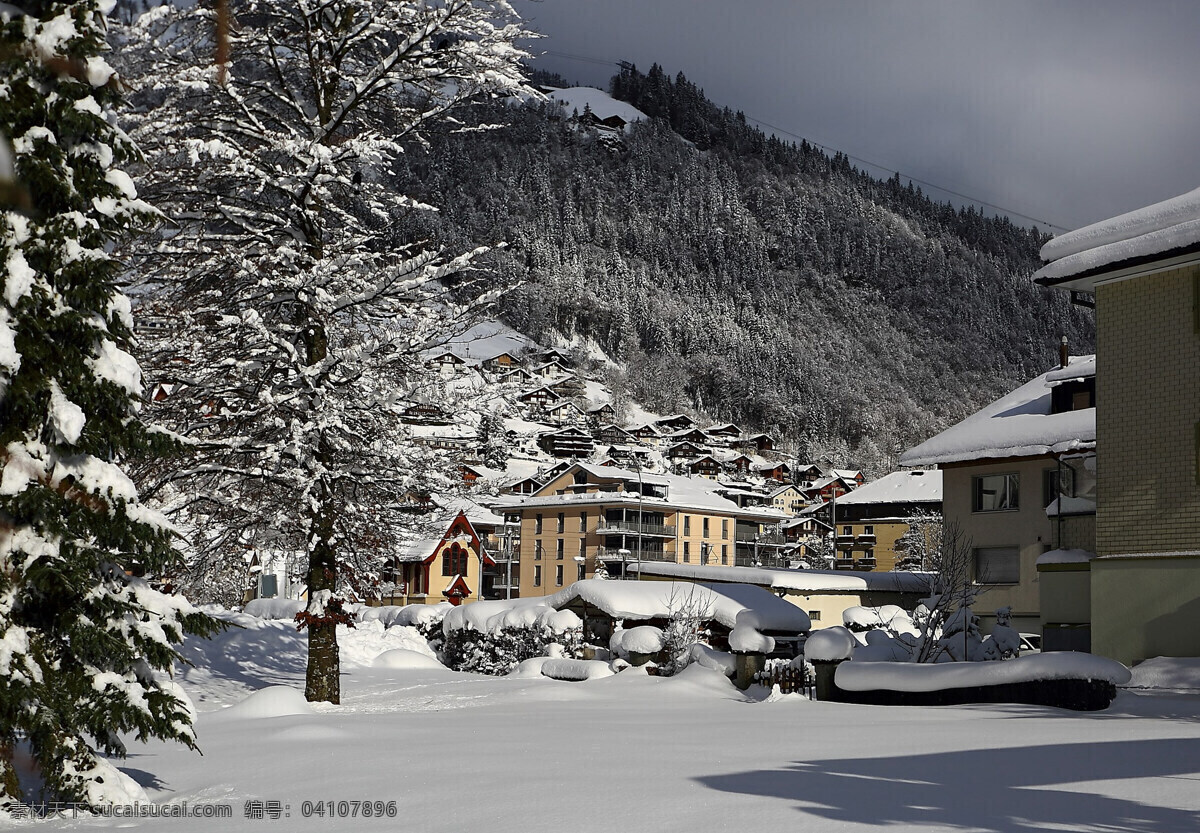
[1069, 112]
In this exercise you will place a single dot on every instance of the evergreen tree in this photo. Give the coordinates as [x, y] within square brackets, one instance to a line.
[81, 637]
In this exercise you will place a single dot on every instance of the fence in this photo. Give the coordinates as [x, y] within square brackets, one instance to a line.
[789, 678]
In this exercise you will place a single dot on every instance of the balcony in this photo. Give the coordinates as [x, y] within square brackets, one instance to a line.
[614, 554]
[865, 564]
[865, 540]
[607, 527]
[767, 538]
[845, 542]
[843, 563]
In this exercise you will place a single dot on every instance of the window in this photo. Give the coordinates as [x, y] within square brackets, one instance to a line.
[537, 550]
[687, 552]
[814, 616]
[725, 529]
[705, 530]
[1050, 486]
[868, 530]
[268, 586]
[581, 574]
[562, 522]
[724, 553]
[583, 548]
[583, 521]
[537, 576]
[994, 493]
[537, 525]
[687, 524]
[997, 565]
[561, 547]
[558, 575]
[847, 530]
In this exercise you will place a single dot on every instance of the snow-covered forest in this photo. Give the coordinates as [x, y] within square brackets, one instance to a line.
[753, 279]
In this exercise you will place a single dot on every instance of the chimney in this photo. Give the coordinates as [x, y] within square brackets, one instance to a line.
[1063, 358]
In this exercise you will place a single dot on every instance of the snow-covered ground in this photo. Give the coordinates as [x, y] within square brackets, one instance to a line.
[460, 752]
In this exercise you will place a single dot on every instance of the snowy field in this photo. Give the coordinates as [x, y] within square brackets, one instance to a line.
[630, 752]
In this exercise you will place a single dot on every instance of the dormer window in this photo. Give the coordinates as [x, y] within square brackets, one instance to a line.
[1073, 396]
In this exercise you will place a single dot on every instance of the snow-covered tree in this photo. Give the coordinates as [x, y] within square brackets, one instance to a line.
[295, 317]
[81, 637]
[920, 547]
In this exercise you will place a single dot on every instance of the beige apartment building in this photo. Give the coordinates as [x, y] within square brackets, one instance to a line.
[589, 514]
[1017, 489]
[1143, 271]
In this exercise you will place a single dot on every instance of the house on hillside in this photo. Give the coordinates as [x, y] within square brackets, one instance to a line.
[572, 443]
[538, 398]
[724, 433]
[684, 451]
[445, 360]
[501, 363]
[1004, 470]
[674, 422]
[601, 414]
[827, 488]
[1142, 272]
[646, 433]
[758, 443]
[703, 466]
[788, 499]
[610, 434]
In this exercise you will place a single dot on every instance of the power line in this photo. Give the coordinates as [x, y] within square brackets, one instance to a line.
[995, 207]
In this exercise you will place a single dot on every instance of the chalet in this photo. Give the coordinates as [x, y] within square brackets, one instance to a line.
[646, 433]
[613, 435]
[539, 397]
[725, 433]
[553, 355]
[524, 486]
[444, 360]
[1141, 592]
[565, 412]
[808, 473]
[693, 435]
[472, 474]
[501, 363]
[778, 471]
[685, 451]
[675, 422]
[424, 413]
[572, 443]
[568, 385]
[450, 568]
[759, 442]
[788, 499]
[827, 488]
[738, 464]
[517, 376]
[552, 370]
[601, 413]
[704, 466]
[854, 477]
[628, 455]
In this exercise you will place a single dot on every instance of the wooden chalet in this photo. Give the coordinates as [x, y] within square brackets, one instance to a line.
[675, 422]
[738, 464]
[779, 471]
[646, 433]
[685, 451]
[424, 413]
[601, 413]
[613, 435]
[445, 360]
[827, 488]
[552, 370]
[518, 375]
[501, 363]
[704, 466]
[539, 397]
[524, 486]
[726, 433]
[759, 442]
[565, 411]
[568, 443]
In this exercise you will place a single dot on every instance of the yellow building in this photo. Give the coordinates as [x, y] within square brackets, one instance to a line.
[449, 568]
[1143, 271]
[589, 514]
[872, 519]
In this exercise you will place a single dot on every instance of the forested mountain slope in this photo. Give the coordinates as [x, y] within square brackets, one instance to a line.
[754, 280]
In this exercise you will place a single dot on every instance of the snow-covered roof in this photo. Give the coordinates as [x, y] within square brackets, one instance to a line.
[417, 549]
[682, 493]
[1163, 229]
[477, 514]
[601, 104]
[1065, 557]
[660, 599]
[898, 487]
[802, 582]
[1079, 367]
[1018, 424]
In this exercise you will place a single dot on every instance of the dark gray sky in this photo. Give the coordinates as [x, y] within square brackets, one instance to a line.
[1069, 112]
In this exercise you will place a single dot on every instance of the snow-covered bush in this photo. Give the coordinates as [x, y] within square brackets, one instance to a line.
[511, 638]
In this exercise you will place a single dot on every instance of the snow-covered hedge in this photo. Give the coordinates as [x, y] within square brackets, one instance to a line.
[908, 676]
[273, 608]
[496, 639]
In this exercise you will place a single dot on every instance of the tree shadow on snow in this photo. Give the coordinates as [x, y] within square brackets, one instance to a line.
[999, 790]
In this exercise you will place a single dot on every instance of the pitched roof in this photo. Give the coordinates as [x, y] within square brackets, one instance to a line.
[1155, 232]
[1018, 424]
[898, 487]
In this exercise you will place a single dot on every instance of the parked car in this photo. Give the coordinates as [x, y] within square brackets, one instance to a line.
[1031, 643]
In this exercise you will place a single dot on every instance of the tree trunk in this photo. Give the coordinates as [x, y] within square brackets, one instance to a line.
[323, 677]
[10, 788]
